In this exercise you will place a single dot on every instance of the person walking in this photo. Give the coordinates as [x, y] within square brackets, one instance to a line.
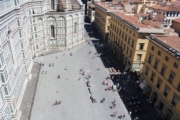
[114, 114]
[79, 78]
[63, 54]
[90, 74]
[120, 116]
[89, 90]
[52, 64]
[99, 68]
[59, 76]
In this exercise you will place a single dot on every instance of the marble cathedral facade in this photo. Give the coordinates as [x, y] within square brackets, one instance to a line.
[28, 28]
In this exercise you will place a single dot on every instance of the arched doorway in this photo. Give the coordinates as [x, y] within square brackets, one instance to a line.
[154, 98]
[168, 115]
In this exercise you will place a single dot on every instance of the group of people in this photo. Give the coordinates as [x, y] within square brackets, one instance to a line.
[56, 103]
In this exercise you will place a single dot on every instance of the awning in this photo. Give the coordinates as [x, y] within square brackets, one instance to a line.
[141, 85]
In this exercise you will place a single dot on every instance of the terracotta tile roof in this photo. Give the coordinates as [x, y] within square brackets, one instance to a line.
[177, 20]
[143, 14]
[166, 7]
[109, 6]
[92, 5]
[158, 18]
[134, 20]
[173, 41]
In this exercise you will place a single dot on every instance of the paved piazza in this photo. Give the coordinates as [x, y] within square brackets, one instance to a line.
[74, 94]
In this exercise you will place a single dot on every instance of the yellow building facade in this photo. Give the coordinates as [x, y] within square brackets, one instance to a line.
[127, 39]
[102, 18]
[161, 75]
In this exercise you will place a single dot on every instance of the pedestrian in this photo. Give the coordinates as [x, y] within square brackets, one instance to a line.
[79, 78]
[123, 116]
[63, 54]
[90, 74]
[56, 57]
[45, 72]
[120, 116]
[99, 68]
[119, 89]
[89, 90]
[114, 114]
[49, 65]
[52, 64]
[93, 57]
[114, 102]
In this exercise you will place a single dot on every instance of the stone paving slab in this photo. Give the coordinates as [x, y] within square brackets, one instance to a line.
[76, 104]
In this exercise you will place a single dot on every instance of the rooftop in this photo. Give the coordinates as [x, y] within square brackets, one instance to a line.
[172, 7]
[145, 26]
[173, 41]
[92, 5]
[109, 6]
[177, 20]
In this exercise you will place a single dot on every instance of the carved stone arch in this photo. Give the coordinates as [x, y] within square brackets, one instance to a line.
[61, 21]
[51, 20]
[40, 20]
[75, 18]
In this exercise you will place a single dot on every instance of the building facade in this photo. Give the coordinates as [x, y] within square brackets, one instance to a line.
[127, 39]
[28, 28]
[102, 17]
[176, 25]
[91, 12]
[160, 75]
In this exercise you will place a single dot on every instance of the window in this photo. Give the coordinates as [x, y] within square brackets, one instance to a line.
[6, 90]
[18, 22]
[141, 46]
[130, 31]
[171, 77]
[52, 31]
[159, 53]
[150, 59]
[75, 27]
[175, 100]
[132, 45]
[167, 58]
[147, 71]
[156, 64]
[152, 76]
[175, 65]
[34, 28]
[134, 34]
[34, 19]
[130, 53]
[166, 91]
[159, 83]
[2, 78]
[52, 4]
[178, 87]
[129, 40]
[20, 35]
[127, 50]
[139, 56]
[152, 48]
[163, 70]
